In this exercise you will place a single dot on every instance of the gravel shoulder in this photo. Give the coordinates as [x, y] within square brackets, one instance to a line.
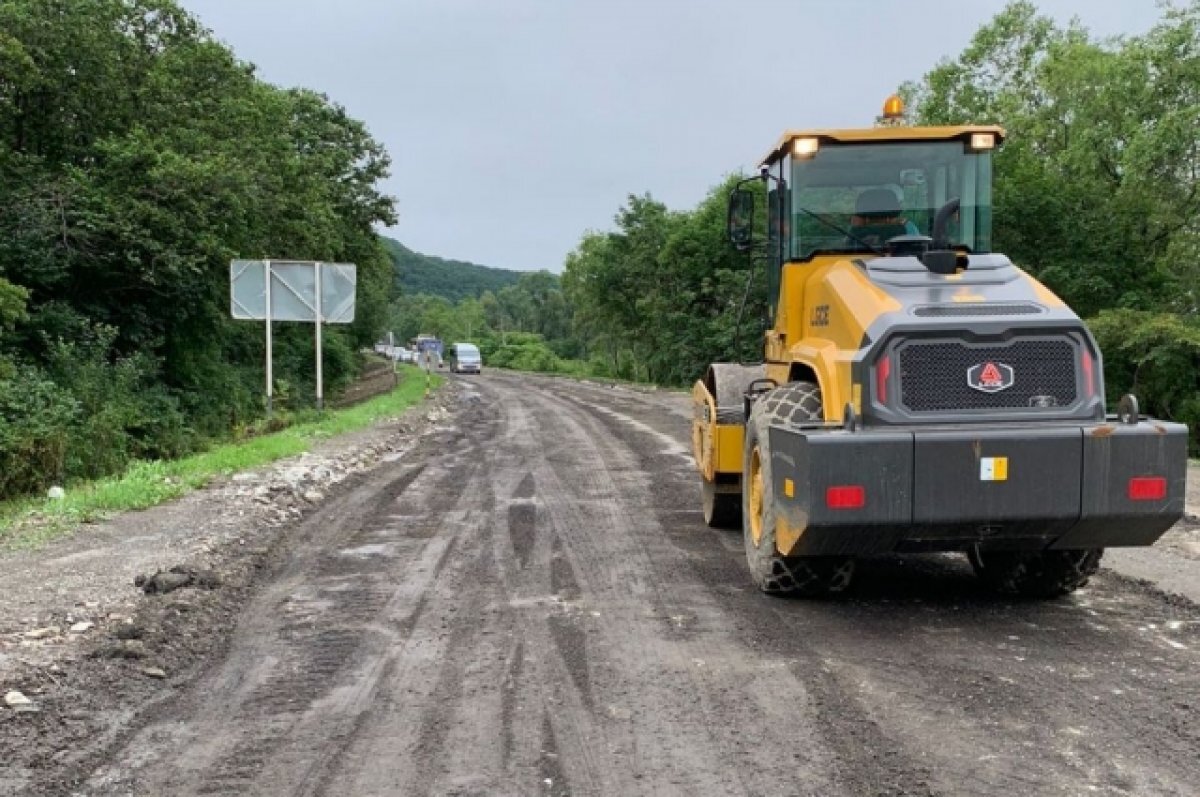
[84, 645]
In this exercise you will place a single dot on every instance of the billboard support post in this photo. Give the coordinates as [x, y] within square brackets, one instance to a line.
[270, 375]
[320, 385]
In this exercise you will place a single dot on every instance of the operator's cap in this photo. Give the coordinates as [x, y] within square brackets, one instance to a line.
[877, 202]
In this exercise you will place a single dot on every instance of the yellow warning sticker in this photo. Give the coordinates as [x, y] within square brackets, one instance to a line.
[993, 469]
[789, 488]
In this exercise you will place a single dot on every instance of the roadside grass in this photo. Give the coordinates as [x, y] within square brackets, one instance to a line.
[29, 522]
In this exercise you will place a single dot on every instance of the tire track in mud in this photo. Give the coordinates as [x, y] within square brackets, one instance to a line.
[504, 644]
[866, 758]
[305, 635]
[553, 680]
[451, 502]
[521, 520]
[883, 748]
[669, 697]
[313, 668]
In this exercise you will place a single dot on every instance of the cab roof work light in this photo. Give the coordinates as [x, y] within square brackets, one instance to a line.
[805, 147]
[981, 142]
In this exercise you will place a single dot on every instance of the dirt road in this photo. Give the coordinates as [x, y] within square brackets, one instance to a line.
[528, 603]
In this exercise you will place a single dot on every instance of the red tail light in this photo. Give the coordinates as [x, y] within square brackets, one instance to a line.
[882, 371]
[846, 496]
[1089, 374]
[1147, 488]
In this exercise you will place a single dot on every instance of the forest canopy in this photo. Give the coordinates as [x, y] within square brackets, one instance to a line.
[138, 156]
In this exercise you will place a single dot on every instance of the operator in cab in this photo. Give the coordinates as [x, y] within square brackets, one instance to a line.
[877, 217]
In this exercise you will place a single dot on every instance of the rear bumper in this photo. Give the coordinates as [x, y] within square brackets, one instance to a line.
[1022, 487]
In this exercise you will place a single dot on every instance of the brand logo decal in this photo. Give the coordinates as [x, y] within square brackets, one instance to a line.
[990, 377]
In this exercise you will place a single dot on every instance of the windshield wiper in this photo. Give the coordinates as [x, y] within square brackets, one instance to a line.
[844, 232]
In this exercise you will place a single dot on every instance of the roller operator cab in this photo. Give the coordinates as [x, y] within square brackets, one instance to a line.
[919, 392]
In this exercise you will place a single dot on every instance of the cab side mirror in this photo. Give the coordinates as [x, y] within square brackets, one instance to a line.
[740, 218]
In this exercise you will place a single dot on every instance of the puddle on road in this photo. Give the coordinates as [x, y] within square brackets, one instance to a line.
[365, 551]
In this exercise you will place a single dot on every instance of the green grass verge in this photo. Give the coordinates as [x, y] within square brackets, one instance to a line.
[26, 523]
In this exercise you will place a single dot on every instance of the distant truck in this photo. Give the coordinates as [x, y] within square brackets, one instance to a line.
[428, 349]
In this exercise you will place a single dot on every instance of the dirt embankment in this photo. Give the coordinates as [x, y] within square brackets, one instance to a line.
[378, 376]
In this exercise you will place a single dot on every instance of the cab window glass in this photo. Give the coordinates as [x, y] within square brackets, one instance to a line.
[854, 197]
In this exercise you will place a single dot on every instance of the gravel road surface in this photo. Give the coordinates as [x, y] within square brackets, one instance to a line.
[527, 602]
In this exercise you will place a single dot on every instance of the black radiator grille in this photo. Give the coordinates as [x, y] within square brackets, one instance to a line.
[933, 375]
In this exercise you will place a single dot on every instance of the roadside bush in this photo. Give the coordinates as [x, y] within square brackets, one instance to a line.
[1155, 356]
[124, 414]
[294, 364]
[599, 365]
[578, 368]
[524, 351]
[36, 420]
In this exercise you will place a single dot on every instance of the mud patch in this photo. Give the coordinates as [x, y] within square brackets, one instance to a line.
[571, 642]
[522, 528]
[508, 700]
[550, 770]
[308, 677]
[527, 488]
[868, 761]
[563, 581]
[90, 704]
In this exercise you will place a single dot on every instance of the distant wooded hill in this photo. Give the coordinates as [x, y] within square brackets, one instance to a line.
[450, 279]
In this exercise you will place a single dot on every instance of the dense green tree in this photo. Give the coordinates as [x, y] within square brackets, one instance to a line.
[1096, 187]
[1156, 356]
[12, 304]
[660, 297]
[137, 157]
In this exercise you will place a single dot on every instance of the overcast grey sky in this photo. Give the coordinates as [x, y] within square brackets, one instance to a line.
[516, 125]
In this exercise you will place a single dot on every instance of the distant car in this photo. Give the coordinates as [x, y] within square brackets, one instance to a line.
[465, 359]
[402, 355]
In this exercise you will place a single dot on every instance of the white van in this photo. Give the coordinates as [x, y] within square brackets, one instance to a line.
[464, 359]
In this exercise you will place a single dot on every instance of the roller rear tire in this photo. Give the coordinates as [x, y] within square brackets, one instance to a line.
[1035, 574]
[805, 576]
